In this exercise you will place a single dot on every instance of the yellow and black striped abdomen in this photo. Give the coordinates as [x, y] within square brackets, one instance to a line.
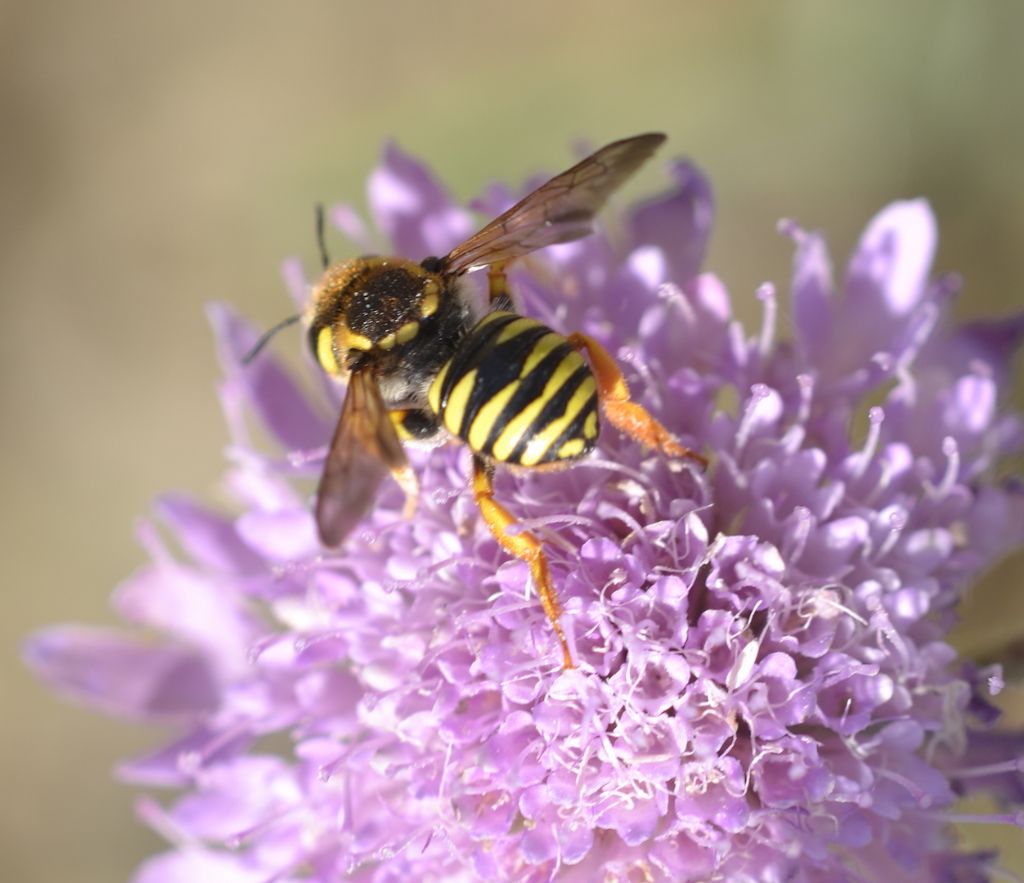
[516, 392]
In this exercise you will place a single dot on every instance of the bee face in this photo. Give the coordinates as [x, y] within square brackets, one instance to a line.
[369, 310]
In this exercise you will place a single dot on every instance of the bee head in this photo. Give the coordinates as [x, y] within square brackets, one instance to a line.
[369, 306]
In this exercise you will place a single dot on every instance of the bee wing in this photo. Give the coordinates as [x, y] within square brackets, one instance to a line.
[561, 210]
[364, 449]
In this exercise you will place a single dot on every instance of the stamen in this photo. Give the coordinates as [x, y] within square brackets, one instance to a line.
[445, 768]
[805, 383]
[190, 762]
[766, 294]
[798, 529]
[897, 519]
[674, 295]
[920, 331]
[876, 417]
[240, 838]
[156, 817]
[951, 451]
[789, 227]
[947, 286]
[965, 818]
[310, 455]
[758, 394]
[922, 800]
[347, 220]
[991, 769]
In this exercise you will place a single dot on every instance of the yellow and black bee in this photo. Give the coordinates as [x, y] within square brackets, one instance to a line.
[418, 363]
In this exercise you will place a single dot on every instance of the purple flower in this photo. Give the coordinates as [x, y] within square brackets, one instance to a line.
[764, 690]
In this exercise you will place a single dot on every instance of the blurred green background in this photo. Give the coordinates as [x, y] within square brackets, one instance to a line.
[156, 156]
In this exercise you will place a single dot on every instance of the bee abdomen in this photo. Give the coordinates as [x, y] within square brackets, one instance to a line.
[517, 393]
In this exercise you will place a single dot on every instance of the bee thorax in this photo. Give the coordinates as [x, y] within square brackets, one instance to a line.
[384, 305]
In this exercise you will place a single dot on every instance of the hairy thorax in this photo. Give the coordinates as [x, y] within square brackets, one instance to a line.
[391, 315]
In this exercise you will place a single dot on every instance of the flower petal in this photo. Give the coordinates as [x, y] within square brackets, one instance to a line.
[412, 209]
[264, 385]
[122, 674]
[888, 273]
[679, 224]
[196, 865]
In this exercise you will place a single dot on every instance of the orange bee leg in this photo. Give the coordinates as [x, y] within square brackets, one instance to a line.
[524, 545]
[410, 486]
[625, 414]
[497, 283]
[407, 428]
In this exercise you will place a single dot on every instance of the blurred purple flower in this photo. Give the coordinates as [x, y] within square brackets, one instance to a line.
[764, 691]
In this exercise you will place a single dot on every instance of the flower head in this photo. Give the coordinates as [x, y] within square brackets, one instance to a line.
[764, 690]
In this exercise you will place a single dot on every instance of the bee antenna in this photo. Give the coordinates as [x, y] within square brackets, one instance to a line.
[320, 235]
[265, 337]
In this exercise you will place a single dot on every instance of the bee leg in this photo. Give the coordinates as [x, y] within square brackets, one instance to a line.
[497, 284]
[410, 485]
[411, 424]
[625, 414]
[524, 545]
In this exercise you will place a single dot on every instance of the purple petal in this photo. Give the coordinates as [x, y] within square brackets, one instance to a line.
[294, 276]
[278, 402]
[832, 547]
[632, 818]
[888, 273]
[575, 840]
[121, 674]
[970, 406]
[195, 607]
[991, 343]
[348, 221]
[763, 662]
[539, 844]
[875, 322]
[412, 209]
[280, 536]
[486, 815]
[813, 291]
[210, 539]
[680, 223]
[196, 865]
[236, 796]
[996, 523]
[993, 761]
[174, 765]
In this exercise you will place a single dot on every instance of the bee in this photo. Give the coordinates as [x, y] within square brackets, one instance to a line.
[420, 364]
